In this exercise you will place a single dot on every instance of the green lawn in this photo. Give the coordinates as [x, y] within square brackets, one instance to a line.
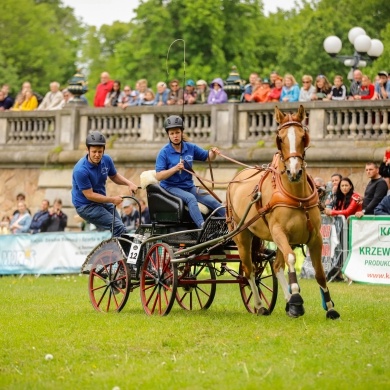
[224, 347]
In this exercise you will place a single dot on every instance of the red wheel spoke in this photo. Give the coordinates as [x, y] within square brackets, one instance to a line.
[192, 295]
[98, 288]
[158, 280]
[104, 293]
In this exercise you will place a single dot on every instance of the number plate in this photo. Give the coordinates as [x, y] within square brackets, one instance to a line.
[133, 254]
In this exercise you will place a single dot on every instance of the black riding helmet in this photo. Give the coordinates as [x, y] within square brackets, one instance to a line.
[173, 122]
[95, 138]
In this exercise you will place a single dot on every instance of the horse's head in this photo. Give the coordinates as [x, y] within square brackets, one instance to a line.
[292, 139]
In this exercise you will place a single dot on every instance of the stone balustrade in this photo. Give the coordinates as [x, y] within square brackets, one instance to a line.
[136, 133]
[43, 146]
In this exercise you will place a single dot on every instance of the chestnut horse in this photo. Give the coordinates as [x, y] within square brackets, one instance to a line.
[287, 214]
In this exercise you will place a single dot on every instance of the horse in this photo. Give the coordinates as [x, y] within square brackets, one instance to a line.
[287, 214]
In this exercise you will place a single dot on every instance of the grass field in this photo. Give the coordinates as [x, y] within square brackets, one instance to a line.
[224, 347]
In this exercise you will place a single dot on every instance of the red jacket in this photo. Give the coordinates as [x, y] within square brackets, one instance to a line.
[369, 92]
[101, 93]
[274, 95]
[354, 206]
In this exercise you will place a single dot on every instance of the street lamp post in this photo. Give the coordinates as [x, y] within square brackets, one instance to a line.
[366, 49]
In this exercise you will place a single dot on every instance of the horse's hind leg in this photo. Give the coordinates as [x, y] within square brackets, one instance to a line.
[244, 244]
[279, 272]
[327, 303]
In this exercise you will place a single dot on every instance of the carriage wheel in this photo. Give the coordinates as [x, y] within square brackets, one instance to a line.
[195, 296]
[109, 284]
[266, 281]
[158, 280]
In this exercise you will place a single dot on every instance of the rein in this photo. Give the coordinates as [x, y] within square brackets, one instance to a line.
[212, 181]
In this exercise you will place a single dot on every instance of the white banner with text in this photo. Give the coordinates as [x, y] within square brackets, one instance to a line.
[369, 250]
[47, 253]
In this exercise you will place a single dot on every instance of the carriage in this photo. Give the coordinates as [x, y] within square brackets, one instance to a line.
[172, 260]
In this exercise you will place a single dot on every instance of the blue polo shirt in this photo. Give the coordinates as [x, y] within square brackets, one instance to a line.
[168, 157]
[87, 175]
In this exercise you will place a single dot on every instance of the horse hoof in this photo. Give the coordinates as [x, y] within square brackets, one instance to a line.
[295, 311]
[294, 307]
[263, 312]
[332, 314]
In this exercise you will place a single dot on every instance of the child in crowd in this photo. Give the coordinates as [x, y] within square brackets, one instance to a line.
[339, 91]
[148, 99]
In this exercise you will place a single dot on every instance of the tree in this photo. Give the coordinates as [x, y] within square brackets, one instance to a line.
[222, 33]
[41, 42]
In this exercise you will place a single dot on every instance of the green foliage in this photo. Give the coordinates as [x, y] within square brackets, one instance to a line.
[222, 33]
[39, 42]
[224, 345]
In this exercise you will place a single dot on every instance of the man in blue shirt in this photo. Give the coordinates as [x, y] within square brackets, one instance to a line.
[89, 186]
[173, 158]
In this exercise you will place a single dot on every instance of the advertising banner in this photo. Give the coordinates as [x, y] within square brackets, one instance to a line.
[369, 250]
[47, 253]
[332, 231]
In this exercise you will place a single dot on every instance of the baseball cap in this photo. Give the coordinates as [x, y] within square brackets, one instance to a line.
[133, 93]
[265, 81]
[383, 73]
[190, 83]
[161, 84]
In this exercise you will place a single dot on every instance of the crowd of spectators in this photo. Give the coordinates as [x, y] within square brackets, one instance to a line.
[339, 197]
[47, 219]
[275, 88]
[259, 90]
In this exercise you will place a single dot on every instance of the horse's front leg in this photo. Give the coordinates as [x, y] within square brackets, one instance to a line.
[294, 301]
[316, 258]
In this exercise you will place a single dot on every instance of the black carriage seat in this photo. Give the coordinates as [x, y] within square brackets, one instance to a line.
[165, 207]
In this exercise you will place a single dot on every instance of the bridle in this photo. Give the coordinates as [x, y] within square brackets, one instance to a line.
[285, 157]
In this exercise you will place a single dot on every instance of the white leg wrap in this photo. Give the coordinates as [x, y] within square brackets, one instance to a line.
[291, 266]
[283, 283]
[291, 262]
[256, 296]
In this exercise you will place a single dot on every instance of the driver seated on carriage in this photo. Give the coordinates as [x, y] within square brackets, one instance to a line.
[172, 163]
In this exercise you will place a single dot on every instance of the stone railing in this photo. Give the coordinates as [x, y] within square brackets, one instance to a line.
[138, 133]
